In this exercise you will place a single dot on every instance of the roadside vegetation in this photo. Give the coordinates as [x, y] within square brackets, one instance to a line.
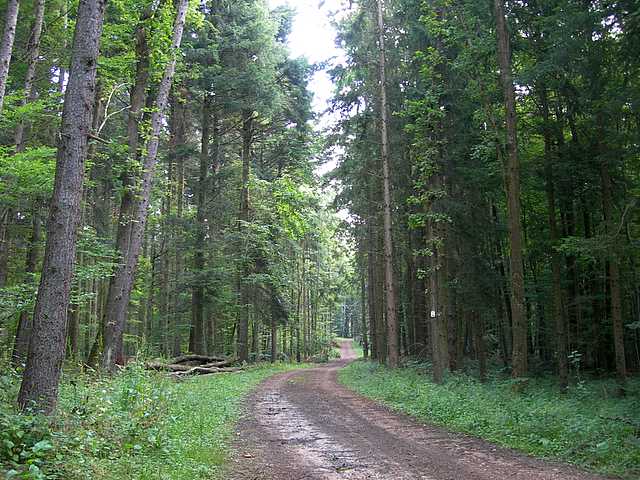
[588, 426]
[357, 347]
[135, 425]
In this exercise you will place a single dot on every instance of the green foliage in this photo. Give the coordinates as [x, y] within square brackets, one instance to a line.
[357, 346]
[136, 425]
[26, 443]
[587, 426]
[27, 175]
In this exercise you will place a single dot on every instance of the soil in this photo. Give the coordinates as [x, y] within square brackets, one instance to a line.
[303, 425]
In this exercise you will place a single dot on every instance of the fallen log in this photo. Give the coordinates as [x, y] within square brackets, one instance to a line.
[197, 358]
[204, 371]
[166, 367]
[223, 363]
[193, 365]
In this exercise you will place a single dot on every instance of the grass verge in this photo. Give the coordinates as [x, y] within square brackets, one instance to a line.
[136, 425]
[357, 348]
[586, 427]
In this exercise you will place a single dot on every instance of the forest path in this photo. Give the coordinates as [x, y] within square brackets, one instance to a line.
[304, 425]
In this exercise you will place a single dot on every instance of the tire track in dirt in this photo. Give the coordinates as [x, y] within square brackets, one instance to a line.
[303, 425]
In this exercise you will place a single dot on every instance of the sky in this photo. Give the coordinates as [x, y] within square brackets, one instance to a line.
[313, 37]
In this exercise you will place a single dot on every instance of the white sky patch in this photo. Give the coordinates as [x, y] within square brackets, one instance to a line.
[313, 37]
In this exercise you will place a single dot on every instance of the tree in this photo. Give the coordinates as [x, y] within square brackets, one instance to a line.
[130, 234]
[47, 344]
[389, 283]
[512, 185]
[33, 47]
[6, 47]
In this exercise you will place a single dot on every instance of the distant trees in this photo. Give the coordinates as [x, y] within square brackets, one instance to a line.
[199, 225]
[511, 206]
[488, 159]
[134, 210]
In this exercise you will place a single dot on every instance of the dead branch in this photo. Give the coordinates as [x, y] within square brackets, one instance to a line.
[197, 358]
[205, 371]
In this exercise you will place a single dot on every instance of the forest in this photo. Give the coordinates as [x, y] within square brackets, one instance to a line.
[174, 204]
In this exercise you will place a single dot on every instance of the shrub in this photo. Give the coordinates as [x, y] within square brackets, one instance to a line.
[587, 426]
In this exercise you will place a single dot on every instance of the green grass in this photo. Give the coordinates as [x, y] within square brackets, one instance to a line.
[587, 426]
[358, 348]
[136, 425]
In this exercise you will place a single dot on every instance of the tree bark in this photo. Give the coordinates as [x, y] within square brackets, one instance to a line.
[6, 47]
[393, 353]
[165, 290]
[274, 338]
[25, 324]
[556, 272]
[197, 298]
[512, 184]
[614, 276]
[477, 325]
[371, 290]
[179, 125]
[47, 343]
[438, 297]
[33, 49]
[138, 98]
[363, 314]
[5, 218]
[243, 321]
[131, 232]
[372, 259]
[379, 300]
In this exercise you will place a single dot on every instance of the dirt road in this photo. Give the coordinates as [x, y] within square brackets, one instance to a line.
[304, 425]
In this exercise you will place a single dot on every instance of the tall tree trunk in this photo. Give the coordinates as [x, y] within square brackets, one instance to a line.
[393, 353]
[150, 298]
[379, 296]
[477, 325]
[512, 184]
[73, 330]
[33, 47]
[298, 311]
[438, 297]
[274, 337]
[363, 314]
[25, 324]
[243, 323]
[196, 343]
[165, 305]
[6, 47]
[180, 139]
[138, 98]
[64, 15]
[556, 273]
[421, 347]
[371, 290]
[614, 275]
[5, 218]
[47, 343]
[372, 259]
[131, 232]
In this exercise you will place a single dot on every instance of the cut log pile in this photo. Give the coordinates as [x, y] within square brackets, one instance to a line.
[186, 365]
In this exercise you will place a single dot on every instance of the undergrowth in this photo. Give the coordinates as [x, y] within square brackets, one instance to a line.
[587, 426]
[135, 425]
[357, 347]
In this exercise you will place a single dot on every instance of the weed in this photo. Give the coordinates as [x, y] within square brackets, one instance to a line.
[135, 425]
[588, 426]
